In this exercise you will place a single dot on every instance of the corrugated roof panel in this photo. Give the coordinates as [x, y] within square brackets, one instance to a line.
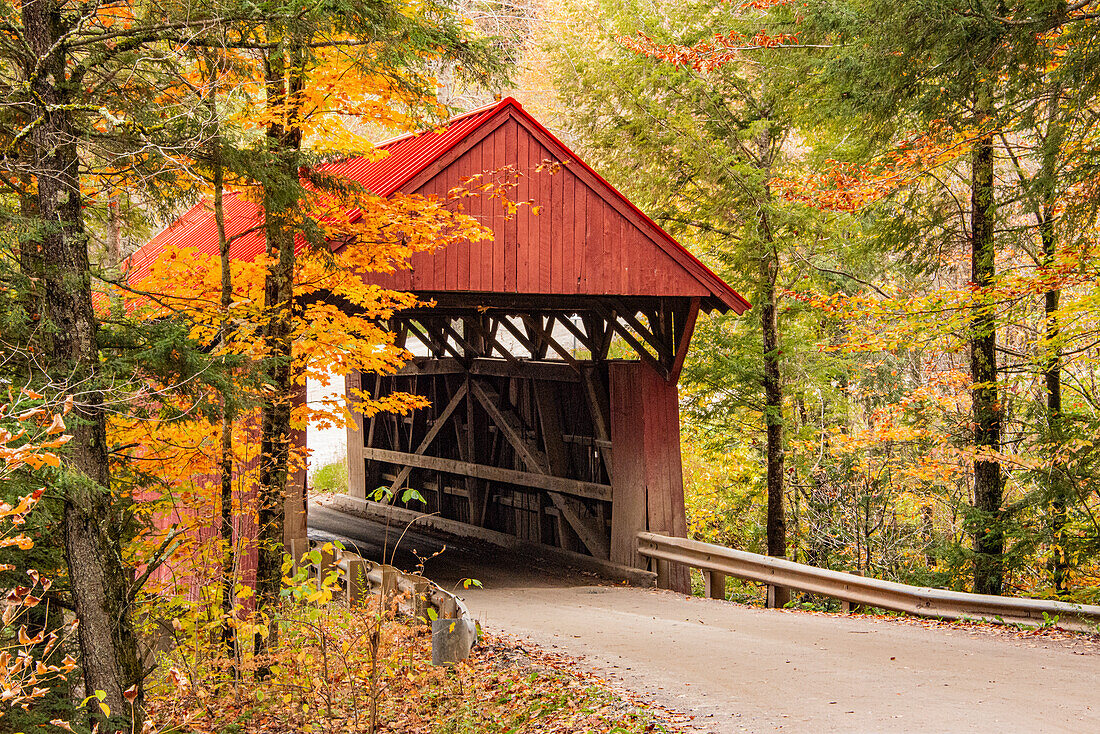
[407, 156]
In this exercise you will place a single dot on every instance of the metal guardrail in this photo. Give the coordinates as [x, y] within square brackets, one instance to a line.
[718, 562]
[454, 631]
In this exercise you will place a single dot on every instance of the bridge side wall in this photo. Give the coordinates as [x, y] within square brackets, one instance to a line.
[647, 479]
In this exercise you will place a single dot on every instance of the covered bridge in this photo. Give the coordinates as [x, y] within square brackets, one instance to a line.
[550, 357]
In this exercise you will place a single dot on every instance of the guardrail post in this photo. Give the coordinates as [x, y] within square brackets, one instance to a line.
[357, 584]
[714, 585]
[664, 573]
[851, 607]
[420, 598]
[448, 608]
[778, 597]
[389, 584]
[326, 565]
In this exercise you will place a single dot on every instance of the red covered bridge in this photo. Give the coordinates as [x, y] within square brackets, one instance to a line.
[551, 356]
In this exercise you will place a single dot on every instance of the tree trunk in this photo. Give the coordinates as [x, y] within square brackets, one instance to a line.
[1052, 379]
[988, 482]
[773, 413]
[225, 505]
[92, 526]
[283, 85]
[1052, 363]
[773, 390]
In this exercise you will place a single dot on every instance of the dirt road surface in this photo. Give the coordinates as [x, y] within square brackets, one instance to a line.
[738, 668]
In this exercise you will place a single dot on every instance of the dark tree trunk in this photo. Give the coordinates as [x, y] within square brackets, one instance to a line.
[1052, 362]
[284, 84]
[225, 505]
[987, 527]
[92, 526]
[773, 413]
[773, 389]
[1052, 378]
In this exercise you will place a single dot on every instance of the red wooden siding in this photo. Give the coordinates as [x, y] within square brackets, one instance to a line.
[579, 243]
[587, 238]
[647, 481]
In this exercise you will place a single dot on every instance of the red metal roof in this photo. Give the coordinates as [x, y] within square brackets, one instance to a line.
[405, 158]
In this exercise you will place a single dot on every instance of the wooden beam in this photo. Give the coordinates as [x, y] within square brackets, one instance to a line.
[594, 322]
[436, 327]
[475, 447]
[686, 331]
[587, 527]
[437, 426]
[581, 336]
[522, 338]
[494, 367]
[491, 339]
[431, 366]
[450, 331]
[641, 350]
[433, 486]
[600, 409]
[628, 510]
[357, 479]
[584, 524]
[510, 426]
[549, 340]
[575, 487]
[663, 348]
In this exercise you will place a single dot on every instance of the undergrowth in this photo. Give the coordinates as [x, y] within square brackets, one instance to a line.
[333, 666]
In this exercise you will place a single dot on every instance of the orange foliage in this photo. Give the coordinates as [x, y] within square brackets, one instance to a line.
[848, 187]
[337, 328]
[28, 661]
[706, 56]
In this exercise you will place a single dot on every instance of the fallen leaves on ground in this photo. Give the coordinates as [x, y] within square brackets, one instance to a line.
[322, 681]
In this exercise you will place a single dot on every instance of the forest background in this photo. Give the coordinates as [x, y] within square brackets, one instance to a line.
[906, 191]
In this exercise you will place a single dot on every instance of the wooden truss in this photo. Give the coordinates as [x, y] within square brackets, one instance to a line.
[518, 436]
[655, 330]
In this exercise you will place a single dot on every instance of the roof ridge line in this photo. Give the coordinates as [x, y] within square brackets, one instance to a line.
[448, 122]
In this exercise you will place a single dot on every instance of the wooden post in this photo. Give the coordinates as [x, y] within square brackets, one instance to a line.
[326, 565]
[628, 479]
[294, 502]
[664, 574]
[357, 480]
[647, 487]
[421, 587]
[448, 609]
[389, 585]
[714, 585]
[357, 585]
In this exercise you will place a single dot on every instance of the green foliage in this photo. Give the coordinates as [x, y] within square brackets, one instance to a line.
[874, 305]
[330, 478]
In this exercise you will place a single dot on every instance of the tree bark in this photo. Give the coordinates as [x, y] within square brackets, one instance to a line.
[773, 389]
[225, 504]
[92, 525]
[283, 85]
[987, 518]
[1052, 363]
